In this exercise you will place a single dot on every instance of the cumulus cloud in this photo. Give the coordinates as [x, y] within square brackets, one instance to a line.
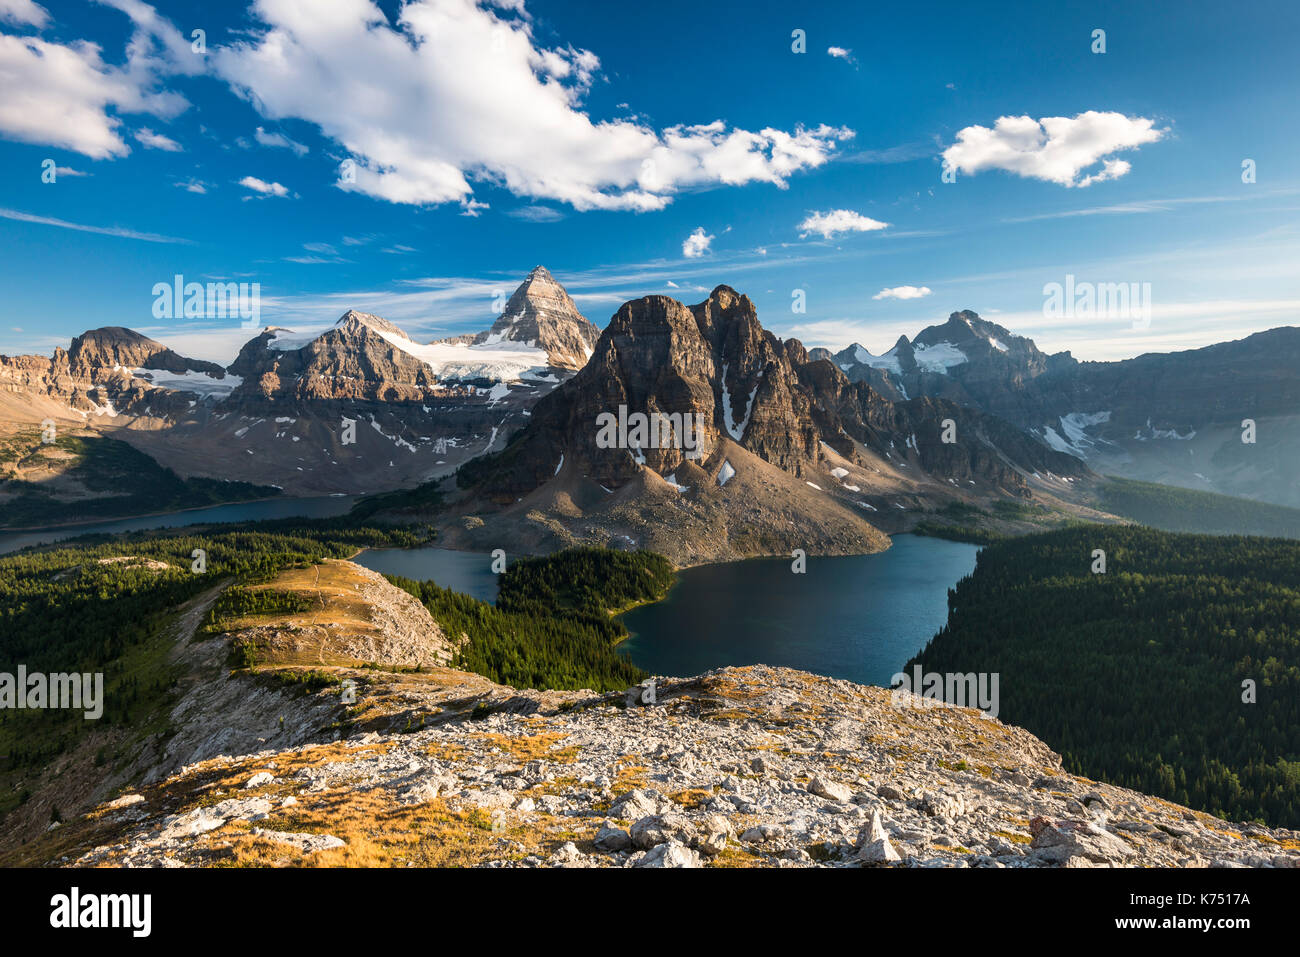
[842, 54]
[903, 292]
[66, 95]
[24, 13]
[263, 187]
[697, 243]
[1056, 149]
[456, 92]
[836, 221]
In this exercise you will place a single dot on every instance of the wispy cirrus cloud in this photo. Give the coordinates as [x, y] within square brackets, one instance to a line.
[156, 141]
[119, 231]
[280, 141]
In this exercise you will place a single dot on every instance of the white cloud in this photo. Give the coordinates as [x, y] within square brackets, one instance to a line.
[24, 13]
[536, 214]
[65, 95]
[60, 96]
[838, 221]
[1056, 149]
[455, 92]
[696, 244]
[21, 217]
[903, 292]
[194, 186]
[263, 187]
[842, 54]
[156, 141]
[69, 171]
[279, 141]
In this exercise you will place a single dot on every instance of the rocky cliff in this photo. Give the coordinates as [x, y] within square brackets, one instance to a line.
[785, 451]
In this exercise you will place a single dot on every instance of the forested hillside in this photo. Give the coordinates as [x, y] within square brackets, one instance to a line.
[552, 625]
[1136, 674]
[109, 605]
[1186, 510]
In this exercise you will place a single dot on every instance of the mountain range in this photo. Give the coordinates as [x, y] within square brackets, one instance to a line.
[797, 447]
[1175, 418]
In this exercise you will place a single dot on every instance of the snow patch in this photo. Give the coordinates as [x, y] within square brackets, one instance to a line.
[889, 361]
[737, 431]
[939, 357]
[189, 381]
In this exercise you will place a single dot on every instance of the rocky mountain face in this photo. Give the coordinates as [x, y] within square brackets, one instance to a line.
[696, 433]
[104, 372]
[715, 361]
[748, 767]
[355, 359]
[541, 313]
[357, 408]
[1174, 417]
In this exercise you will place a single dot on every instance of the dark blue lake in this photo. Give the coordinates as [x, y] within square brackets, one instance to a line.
[467, 572]
[857, 617]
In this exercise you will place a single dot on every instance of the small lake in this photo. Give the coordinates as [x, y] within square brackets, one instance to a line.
[467, 572]
[856, 617]
[319, 507]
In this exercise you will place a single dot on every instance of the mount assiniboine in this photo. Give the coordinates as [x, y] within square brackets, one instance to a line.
[794, 455]
[274, 415]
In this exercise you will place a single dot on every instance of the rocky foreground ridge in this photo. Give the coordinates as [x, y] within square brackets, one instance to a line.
[739, 767]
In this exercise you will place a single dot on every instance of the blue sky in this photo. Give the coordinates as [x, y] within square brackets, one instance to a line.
[596, 139]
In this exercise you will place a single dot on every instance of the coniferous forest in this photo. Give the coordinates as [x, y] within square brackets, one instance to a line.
[1137, 674]
[109, 604]
[551, 626]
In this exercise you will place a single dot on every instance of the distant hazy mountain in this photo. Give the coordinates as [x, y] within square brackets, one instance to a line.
[1175, 418]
